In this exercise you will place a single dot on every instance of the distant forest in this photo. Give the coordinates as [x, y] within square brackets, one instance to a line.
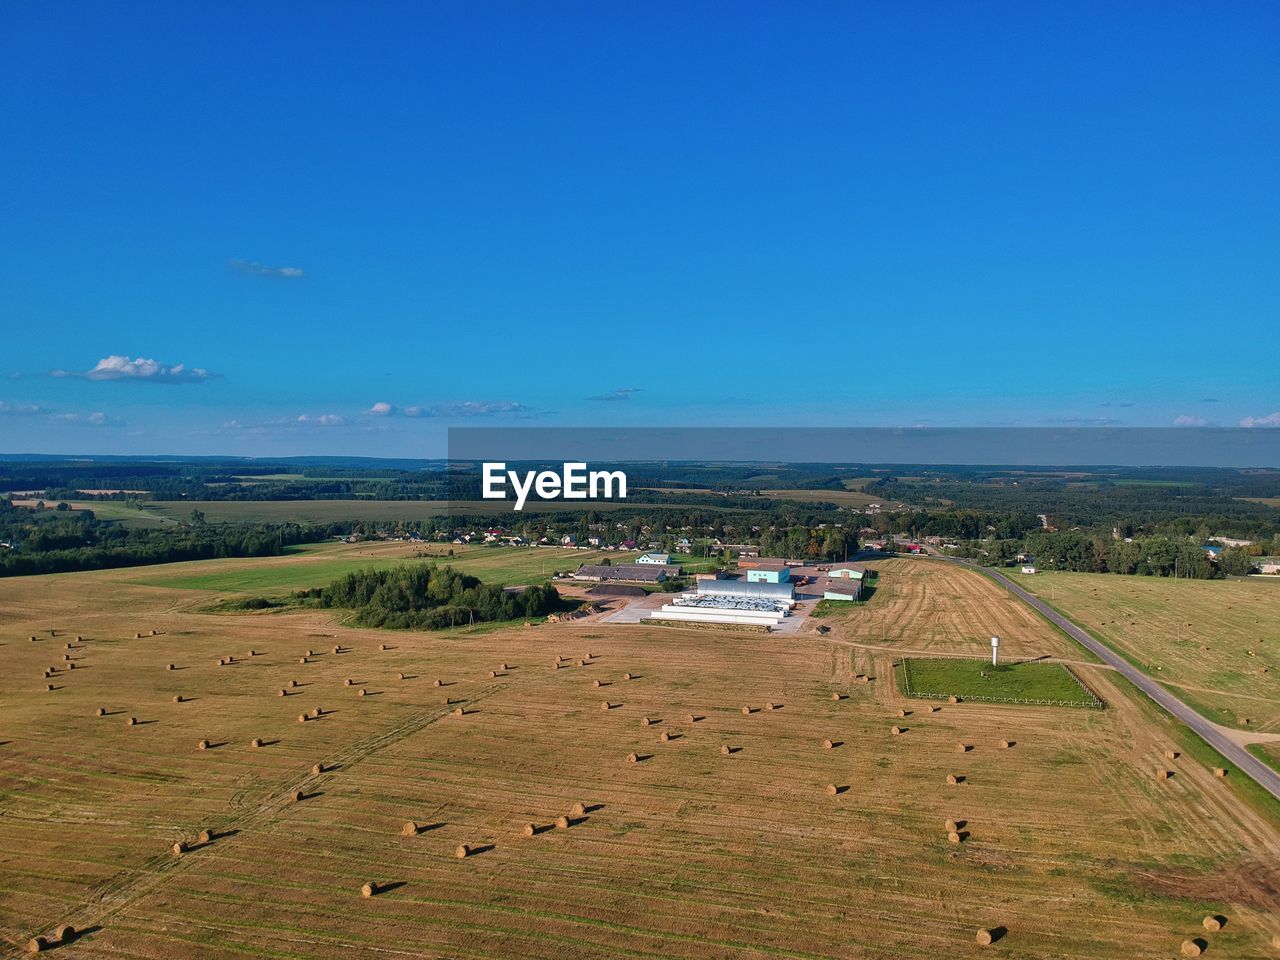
[1126, 520]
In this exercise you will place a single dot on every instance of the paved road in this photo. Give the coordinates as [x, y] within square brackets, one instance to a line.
[1241, 759]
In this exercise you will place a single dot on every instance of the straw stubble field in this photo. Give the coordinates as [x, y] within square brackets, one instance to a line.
[1066, 843]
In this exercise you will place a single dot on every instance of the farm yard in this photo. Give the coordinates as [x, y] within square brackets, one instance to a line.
[741, 796]
[1215, 643]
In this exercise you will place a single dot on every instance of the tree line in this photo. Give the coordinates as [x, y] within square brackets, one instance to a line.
[429, 597]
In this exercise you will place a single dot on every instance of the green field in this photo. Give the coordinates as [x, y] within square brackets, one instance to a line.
[271, 577]
[1027, 681]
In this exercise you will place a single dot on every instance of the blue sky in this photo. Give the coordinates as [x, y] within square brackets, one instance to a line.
[765, 214]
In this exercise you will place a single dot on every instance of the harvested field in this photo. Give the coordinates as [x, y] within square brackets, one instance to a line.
[1071, 847]
[929, 605]
[1196, 636]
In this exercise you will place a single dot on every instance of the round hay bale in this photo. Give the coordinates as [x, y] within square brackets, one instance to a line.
[746, 711]
[933, 709]
[645, 722]
[292, 684]
[1212, 922]
[902, 713]
[962, 748]
[65, 933]
[556, 665]
[302, 718]
[832, 789]
[595, 683]
[137, 636]
[382, 646]
[606, 705]
[170, 667]
[205, 836]
[363, 692]
[202, 745]
[983, 937]
[1172, 754]
[458, 711]
[132, 722]
[256, 742]
[177, 698]
[692, 719]
[316, 712]
[410, 829]
[951, 826]
[582, 663]
[369, 889]
[179, 848]
[337, 649]
[399, 676]
[828, 744]
[283, 693]
[347, 682]
[771, 705]
[952, 779]
[79, 639]
[953, 836]
[953, 700]
[1219, 772]
[493, 675]
[303, 660]
[48, 688]
[1006, 744]
[836, 696]
[71, 666]
[66, 657]
[626, 676]
[664, 737]
[222, 662]
[562, 823]
[36, 944]
[1191, 948]
[33, 639]
[297, 796]
[462, 851]
[559, 658]
[726, 749]
[1162, 774]
[578, 810]
[310, 653]
[633, 758]
[317, 769]
[529, 830]
[437, 683]
[101, 711]
[895, 730]
[503, 666]
[253, 653]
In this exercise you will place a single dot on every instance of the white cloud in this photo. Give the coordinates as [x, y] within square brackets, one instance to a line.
[19, 409]
[322, 420]
[253, 269]
[1190, 420]
[622, 393]
[95, 419]
[1270, 420]
[140, 370]
[451, 408]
